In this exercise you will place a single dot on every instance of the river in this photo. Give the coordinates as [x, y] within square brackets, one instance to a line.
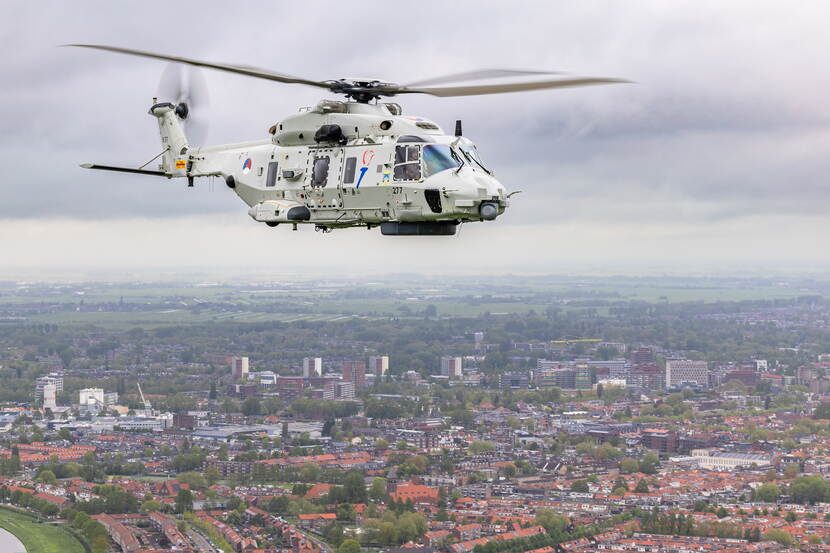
[9, 543]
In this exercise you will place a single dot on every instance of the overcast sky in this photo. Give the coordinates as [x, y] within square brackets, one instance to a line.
[717, 159]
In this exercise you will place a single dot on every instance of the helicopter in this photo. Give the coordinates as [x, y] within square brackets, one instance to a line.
[355, 162]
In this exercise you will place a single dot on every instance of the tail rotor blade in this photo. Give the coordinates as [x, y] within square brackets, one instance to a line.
[170, 85]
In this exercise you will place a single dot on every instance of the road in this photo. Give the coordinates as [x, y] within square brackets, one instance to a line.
[204, 545]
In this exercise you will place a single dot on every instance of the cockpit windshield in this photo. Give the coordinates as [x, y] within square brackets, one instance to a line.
[471, 153]
[437, 158]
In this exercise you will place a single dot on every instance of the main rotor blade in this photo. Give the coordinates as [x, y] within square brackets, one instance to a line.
[479, 75]
[230, 68]
[475, 90]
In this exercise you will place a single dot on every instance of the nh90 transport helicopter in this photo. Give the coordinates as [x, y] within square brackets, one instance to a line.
[359, 162]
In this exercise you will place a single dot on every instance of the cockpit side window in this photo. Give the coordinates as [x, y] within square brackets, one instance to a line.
[407, 162]
[437, 158]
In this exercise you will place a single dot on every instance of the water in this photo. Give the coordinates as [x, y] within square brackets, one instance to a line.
[9, 543]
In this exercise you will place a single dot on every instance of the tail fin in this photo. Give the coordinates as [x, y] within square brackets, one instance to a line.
[175, 158]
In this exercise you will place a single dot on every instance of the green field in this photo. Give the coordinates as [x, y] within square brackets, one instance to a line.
[404, 297]
[38, 537]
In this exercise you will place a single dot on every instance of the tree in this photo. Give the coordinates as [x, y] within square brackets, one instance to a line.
[47, 477]
[780, 536]
[193, 479]
[355, 487]
[377, 492]
[346, 512]
[579, 486]
[184, 501]
[641, 487]
[822, 411]
[649, 463]
[767, 493]
[629, 465]
[251, 407]
[553, 523]
[349, 546]
[478, 447]
[212, 475]
[150, 506]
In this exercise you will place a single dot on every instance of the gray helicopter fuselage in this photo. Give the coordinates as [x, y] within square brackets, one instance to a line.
[344, 164]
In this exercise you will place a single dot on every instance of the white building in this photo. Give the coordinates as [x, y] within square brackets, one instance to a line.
[91, 397]
[612, 383]
[267, 379]
[50, 400]
[681, 373]
[717, 460]
[312, 367]
[378, 365]
[451, 367]
[51, 378]
[239, 367]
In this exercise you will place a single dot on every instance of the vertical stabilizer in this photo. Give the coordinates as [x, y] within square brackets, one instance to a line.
[173, 140]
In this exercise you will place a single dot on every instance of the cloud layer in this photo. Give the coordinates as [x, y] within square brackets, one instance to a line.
[718, 155]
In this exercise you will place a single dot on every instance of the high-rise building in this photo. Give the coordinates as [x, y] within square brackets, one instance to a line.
[50, 400]
[55, 378]
[379, 365]
[312, 367]
[355, 372]
[239, 367]
[451, 367]
[682, 372]
[583, 380]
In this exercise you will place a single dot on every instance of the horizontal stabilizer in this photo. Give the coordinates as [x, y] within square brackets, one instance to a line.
[122, 169]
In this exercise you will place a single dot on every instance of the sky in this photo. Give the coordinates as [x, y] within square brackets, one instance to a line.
[714, 160]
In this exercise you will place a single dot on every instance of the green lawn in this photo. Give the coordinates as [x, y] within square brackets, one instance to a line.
[39, 537]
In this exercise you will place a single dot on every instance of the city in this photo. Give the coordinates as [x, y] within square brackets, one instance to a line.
[533, 415]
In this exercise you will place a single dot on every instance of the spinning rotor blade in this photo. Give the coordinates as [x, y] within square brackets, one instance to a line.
[240, 69]
[367, 91]
[187, 85]
[479, 75]
[476, 90]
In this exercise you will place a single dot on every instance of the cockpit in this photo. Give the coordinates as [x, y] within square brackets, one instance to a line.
[417, 157]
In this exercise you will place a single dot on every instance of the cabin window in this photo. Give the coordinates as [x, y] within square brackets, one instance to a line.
[407, 162]
[320, 172]
[437, 158]
[348, 172]
[271, 177]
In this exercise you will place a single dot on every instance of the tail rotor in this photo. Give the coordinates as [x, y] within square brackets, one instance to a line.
[187, 89]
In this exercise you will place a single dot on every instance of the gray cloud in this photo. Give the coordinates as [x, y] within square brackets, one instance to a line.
[727, 124]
